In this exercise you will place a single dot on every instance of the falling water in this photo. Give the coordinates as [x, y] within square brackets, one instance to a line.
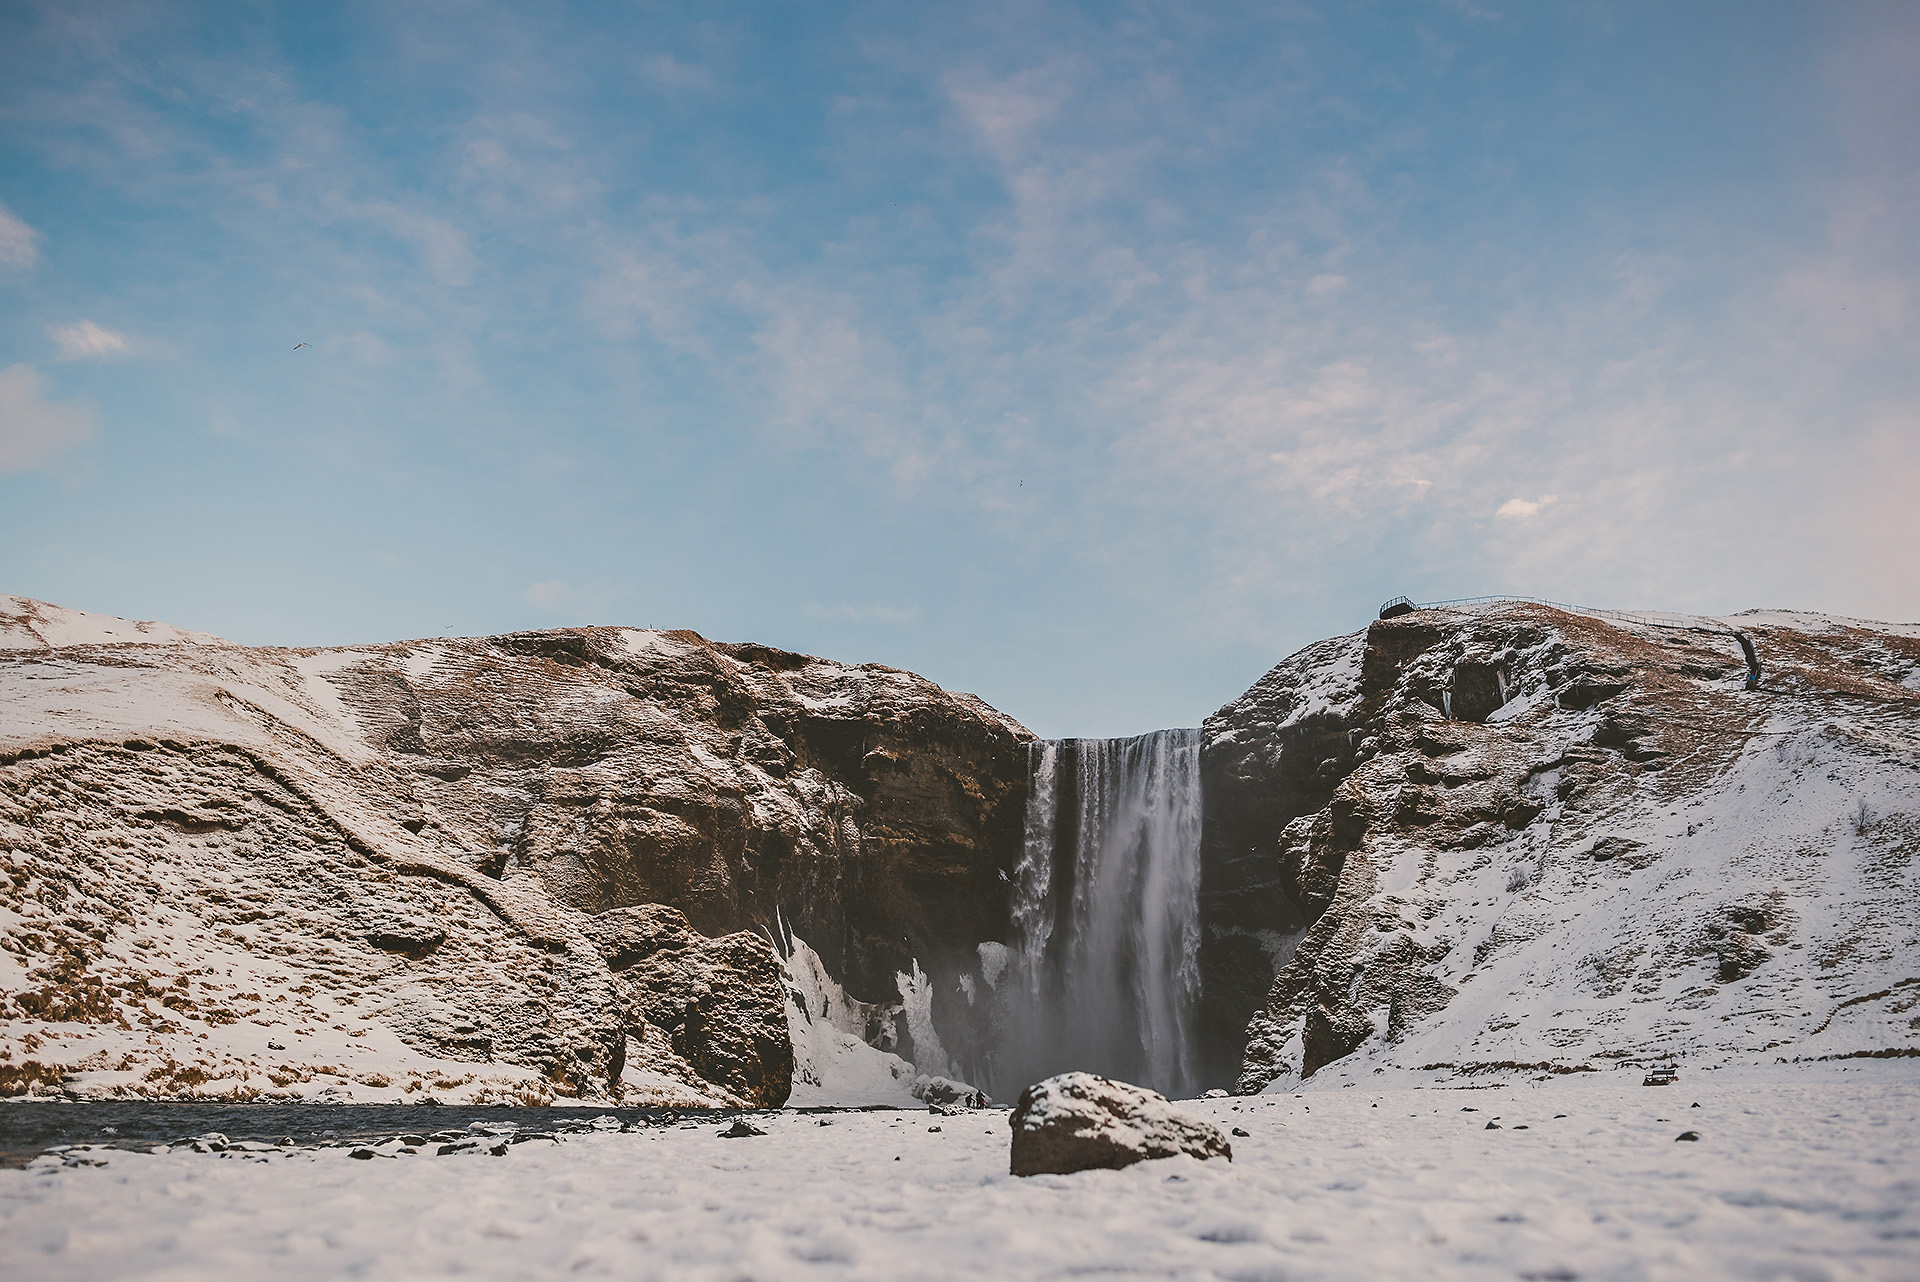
[1106, 914]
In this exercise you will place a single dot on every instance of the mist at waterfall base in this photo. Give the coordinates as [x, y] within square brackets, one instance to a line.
[1104, 973]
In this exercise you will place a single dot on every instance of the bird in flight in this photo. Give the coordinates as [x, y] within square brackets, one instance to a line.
[298, 346]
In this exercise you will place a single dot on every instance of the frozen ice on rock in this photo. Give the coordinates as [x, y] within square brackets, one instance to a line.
[944, 1092]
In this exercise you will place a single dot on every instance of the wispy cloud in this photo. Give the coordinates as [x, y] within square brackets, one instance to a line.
[1521, 509]
[669, 72]
[84, 339]
[846, 613]
[1202, 316]
[552, 595]
[19, 243]
[35, 429]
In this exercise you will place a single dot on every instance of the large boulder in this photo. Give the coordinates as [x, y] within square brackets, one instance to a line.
[1080, 1122]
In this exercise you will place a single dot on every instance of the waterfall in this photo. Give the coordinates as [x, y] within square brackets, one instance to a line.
[1106, 915]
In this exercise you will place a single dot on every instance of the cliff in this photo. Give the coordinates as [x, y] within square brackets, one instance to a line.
[565, 864]
[532, 866]
[1518, 835]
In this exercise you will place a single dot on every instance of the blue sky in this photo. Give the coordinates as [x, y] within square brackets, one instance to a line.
[1090, 358]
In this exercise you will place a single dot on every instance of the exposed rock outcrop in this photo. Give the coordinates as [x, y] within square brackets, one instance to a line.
[1463, 812]
[535, 865]
[1080, 1122]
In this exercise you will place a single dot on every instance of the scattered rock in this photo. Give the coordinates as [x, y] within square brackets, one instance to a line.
[740, 1130]
[1610, 848]
[1493, 1126]
[1078, 1122]
[362, 1155]
[1242, 1134]
[1686, 1135]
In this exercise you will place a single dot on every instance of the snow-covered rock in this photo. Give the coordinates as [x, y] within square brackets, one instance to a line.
[1080, 1122]
[425, 868]
[1522, 836]
[944, 1092]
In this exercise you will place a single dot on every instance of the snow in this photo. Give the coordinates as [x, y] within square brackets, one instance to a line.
[1801, 1171]
[1318, 680]
[833, 1064]
[1557, 958]
[1810, 621]
[27, 624]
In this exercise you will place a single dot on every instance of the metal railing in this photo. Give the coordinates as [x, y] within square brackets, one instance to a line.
[1677, 621]
[1700, 623]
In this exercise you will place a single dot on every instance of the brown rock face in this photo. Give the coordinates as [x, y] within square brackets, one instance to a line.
[719, 1001]
[1564, 804]
[873, 809]
[556, 851]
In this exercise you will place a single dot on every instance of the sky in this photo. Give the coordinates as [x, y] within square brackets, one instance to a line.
[1090, 358]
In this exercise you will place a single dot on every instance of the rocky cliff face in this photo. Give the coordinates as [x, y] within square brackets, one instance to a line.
[527, 866]
[553, 864]
[1523, 836]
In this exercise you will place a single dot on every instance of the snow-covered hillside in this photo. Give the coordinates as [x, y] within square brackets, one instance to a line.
[609, 862]
[517, 868]
[1573, 842]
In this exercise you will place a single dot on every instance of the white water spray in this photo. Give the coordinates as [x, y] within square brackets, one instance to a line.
[1106, 914]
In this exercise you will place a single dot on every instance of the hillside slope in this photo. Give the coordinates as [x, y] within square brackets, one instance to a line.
[532, 866]
[1527, 836]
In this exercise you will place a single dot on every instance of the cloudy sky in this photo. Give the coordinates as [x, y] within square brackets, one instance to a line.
[1090, 358]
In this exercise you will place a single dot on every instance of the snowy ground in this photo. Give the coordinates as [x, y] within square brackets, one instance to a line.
[1801, 1172]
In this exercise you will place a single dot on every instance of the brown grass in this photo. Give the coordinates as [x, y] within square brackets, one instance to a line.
[18, 1079]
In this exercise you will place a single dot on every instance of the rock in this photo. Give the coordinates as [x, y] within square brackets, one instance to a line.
[443, 827]
[1078, 1122]
[720, 1002]
[1215, 1093]
[740, 1130]
[1493, 1126]
[1485, 818]
[1612, 848]
[362, 1155]
[943, 1094]
[1241, 1134]
[405, 936]
[1686, 1135]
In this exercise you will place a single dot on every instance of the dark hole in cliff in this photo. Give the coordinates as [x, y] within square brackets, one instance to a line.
[194, 821]
[1477, 691]
[1584, 693]
[410, 939]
